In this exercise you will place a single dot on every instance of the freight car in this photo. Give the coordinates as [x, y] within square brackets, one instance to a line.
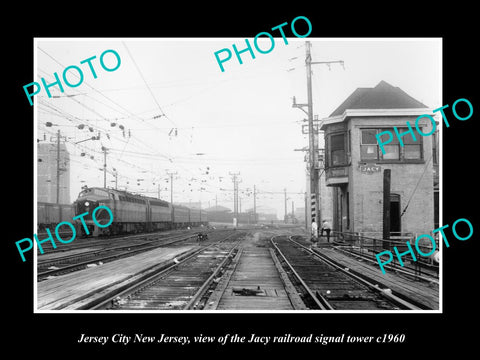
[133, 213]
[50, 214]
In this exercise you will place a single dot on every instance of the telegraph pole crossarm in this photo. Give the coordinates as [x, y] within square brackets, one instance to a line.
[329, 62]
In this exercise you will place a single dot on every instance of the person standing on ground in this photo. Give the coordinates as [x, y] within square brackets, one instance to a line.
[326, 226]
[314, 232]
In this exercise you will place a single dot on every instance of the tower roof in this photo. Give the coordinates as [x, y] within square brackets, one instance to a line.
[382, 96]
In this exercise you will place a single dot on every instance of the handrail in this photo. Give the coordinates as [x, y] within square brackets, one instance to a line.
[378, 244]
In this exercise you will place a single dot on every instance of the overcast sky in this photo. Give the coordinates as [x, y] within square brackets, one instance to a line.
[240, 120]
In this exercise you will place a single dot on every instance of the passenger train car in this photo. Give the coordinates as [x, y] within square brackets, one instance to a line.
[133, 213]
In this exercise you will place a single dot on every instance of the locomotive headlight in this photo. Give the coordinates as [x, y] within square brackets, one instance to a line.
[87, 203]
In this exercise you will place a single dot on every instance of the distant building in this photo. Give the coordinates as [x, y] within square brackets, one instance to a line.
[219, 214]
[191, 205]
[225, 215]
[354, 163]
[267, 217]
[265, 213]
[47, 167]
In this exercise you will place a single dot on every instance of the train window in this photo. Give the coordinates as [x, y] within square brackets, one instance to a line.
[100, 192]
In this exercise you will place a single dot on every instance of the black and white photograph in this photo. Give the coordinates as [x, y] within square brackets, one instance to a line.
[171, 179]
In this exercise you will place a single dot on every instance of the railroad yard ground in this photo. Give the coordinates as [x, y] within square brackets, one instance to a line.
[259, 269]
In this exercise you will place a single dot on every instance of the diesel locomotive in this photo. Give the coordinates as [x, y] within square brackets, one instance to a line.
[132, 213]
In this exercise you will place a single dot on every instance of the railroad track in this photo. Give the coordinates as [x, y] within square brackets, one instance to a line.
[327, 286]
[256, 281]
[416, 270]
[181, 286]
[239, 270]
[81, 259]
[105, 241]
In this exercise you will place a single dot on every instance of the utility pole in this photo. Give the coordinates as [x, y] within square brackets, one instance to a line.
[386, 208]
[306, 216]
[58, 166]
[293, 213]
[171, 173]
[254, 204]
[115, 173]
[312, 145]
[235, 193]
[104, 149]
[285, 199]
[239, 200]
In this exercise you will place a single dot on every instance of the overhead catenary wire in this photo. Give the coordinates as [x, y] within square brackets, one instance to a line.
[143, 143]
[122, 153]
[146, 84]
[98, 163]
[133, 116]
[75, 119]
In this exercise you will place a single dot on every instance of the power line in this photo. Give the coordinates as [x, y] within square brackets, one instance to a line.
[73, 118]
[101, 93]
[146, 84]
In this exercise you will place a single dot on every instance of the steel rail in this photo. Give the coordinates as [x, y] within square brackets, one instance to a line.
[201, 291]
[87, 242]
[319, 300]
[218, 293]
[387, 293]
[409, 272]
[107, 299]
[49, 262]
[137, 248]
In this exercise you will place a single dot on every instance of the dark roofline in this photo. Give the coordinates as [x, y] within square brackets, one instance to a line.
[382, 96]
